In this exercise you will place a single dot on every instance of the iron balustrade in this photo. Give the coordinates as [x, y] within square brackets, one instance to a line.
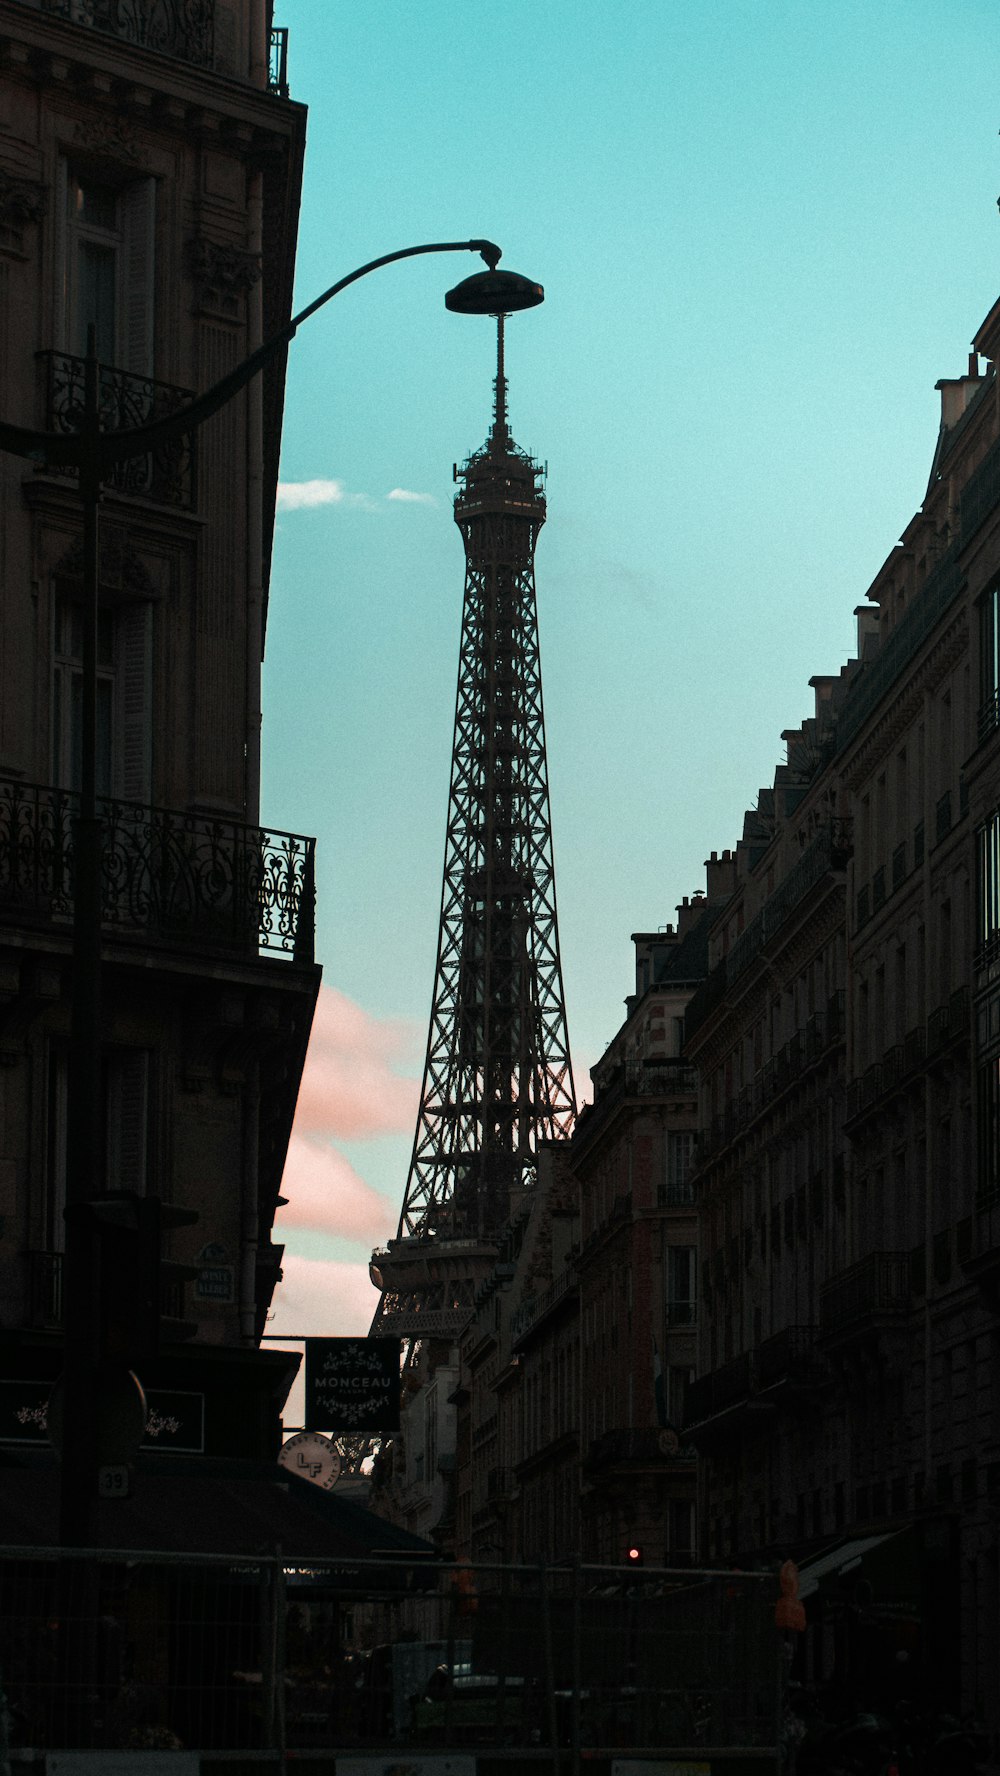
[875, 1289]
[828, 851]
[980, 493]
[277, 66]
[165, 474]
[169, 876]
[646, 1444]
[183, 29]
[788, 1357]
[722, 1388]
[938, 592]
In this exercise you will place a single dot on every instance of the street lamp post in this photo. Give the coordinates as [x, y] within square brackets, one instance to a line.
[93, 453]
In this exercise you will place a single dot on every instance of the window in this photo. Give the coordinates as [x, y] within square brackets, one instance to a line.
[127, 1145]
[107, 268]
[681, 1528]
[679, 1190]
[679, 1379]
[57, 1110]
[681, 1285]
[988, 889]
[124, 724]
[127, 1129]
[988, 1182]
[989, 662]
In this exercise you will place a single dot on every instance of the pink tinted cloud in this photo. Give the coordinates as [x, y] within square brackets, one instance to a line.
[322, 1297]
[326, 1195]
[349, 1088]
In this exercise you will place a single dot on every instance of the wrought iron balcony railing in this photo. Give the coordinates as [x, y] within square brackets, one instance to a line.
[184, 29]
[168, 877]
[165, 474]
[866, 1296]
[277, 68]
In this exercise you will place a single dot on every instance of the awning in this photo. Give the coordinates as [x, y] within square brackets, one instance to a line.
[203, 1505]
[889, 1564]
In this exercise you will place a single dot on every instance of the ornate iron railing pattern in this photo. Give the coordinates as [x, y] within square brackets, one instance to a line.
[169, 876]
[277, 66]
[184, 29]
[165, 474]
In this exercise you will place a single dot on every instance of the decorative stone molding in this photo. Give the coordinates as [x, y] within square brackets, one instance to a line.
[21, 201]
[111, 138]
[222, 274]
[121, 569]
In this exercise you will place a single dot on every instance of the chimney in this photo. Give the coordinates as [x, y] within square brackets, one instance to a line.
[720, 876]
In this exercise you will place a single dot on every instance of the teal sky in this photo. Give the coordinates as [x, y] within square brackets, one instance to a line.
[765, 230]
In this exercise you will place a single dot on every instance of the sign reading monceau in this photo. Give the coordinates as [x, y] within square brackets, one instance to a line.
[352, 1384]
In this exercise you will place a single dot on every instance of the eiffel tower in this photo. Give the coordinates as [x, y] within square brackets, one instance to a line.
[497, 1078]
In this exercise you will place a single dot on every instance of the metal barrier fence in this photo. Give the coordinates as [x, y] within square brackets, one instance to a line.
[118, 1652]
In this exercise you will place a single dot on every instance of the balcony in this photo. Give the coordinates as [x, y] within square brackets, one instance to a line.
[45, 1297]
[979, 1254]
[165, 474]
[277, 65]
[172, 878]
[183, 29]
[722, 1390]
[790, 1359]
[787, 1364]
[538, 1307]
[866, 1299]
[665, 1077]
[635, 1446]
[827, 854]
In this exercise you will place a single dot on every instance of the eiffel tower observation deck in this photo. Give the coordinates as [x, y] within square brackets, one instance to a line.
[497, 1077]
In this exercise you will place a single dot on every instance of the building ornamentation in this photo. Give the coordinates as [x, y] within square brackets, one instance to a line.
[223, 274]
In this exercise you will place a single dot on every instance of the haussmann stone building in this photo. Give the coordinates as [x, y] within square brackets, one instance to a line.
[846, 1409]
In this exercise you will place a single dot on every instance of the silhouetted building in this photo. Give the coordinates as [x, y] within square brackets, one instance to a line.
[631, 1156]
[150, 164]
[847, 1039]
[520, 1406]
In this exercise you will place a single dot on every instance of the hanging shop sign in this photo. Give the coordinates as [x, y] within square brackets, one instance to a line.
[352, 1384]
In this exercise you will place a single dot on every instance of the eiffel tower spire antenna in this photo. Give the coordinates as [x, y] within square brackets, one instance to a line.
[497, 1077]
[500, 435]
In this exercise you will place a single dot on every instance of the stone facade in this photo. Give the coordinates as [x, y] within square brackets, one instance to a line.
[846, 1044]
[149, 191]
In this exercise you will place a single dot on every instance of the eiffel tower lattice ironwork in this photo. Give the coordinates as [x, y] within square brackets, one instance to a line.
[497, 1078]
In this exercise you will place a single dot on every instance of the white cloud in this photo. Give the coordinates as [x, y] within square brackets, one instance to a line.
[322, 1297]
[350, 1087]
[326, 1195]
[412, 499]
[293, 495]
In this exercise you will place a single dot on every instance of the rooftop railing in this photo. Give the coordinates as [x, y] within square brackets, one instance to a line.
[191, 879]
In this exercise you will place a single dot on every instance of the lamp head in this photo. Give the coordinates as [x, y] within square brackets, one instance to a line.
[494, 293]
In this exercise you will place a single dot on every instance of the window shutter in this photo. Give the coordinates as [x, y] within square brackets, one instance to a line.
[135, 701]
[128, 1119]
[61, 260]
[138, 219]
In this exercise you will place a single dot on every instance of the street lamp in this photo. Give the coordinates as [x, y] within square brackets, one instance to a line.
[93, 453]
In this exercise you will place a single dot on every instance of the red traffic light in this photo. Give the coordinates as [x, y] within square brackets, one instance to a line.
[633, 1555]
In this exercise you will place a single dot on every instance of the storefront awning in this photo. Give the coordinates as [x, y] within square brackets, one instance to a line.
[888, 1563]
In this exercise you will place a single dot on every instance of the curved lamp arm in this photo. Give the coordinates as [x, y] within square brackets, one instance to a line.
[68, 449]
